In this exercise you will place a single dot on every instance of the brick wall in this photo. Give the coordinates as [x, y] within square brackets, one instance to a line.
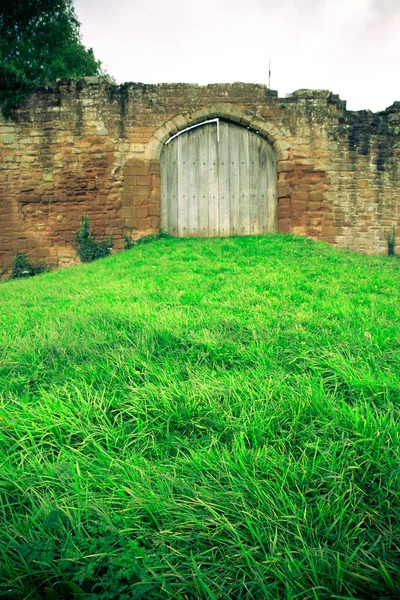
[92, 147]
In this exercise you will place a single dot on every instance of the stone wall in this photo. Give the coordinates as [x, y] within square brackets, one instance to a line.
[92, 147]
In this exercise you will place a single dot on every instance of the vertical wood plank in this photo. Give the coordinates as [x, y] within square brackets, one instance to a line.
[192, 181]
[183, 186]
[224, 180]
[170, 182]
[234, 178]
[242, 137]
[213, 212]
[254, 184]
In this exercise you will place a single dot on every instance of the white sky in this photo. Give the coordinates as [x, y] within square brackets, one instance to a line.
[351, 47]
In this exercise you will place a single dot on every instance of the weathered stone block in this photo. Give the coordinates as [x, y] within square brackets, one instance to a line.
[144, 224]
[143, 180]
[142, 211]
[281, 145]
[131, 222]
[285, 166]
[154, 210]
[283, 189]
[138, 190]
[128, 212]
[317, 196]
[8, 139]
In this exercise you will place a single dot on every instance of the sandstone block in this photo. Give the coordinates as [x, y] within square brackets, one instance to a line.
[135, 161]
[155, 195]
[285, 166]
[143, 180]
[179, 122]
[138, 190]
[154, 167]
[305, 162]
[137, 148]
[154, 210]
[283, 155]
[131, 222]
[284, 225]
[283, 189]
[280, 145]
[8, 139]
[142, 211]
[128, 212]
[129, 180]
[141, 170]
[144, 224]
[317, 196]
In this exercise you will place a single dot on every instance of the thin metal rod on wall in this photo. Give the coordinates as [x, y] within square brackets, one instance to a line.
[193, 126]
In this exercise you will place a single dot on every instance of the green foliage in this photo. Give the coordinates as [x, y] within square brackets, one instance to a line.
[23, 268]
[153, 237]
[202, 418]
[39, 43]
[129, 242]
[88, 249]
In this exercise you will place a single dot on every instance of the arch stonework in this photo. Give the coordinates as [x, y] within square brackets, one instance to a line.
[230, 112]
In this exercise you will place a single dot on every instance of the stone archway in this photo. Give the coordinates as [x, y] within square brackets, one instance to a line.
[231, 113]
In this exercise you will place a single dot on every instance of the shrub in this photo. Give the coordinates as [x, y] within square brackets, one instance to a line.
[23, 268]
[88, 249]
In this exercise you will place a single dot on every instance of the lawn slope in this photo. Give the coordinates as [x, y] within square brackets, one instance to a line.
[202, 419]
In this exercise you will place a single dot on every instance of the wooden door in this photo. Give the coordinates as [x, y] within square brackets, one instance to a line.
[218, 187]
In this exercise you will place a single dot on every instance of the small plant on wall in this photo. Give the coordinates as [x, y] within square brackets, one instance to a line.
[129, 242]
[88, 249]
[23, 268]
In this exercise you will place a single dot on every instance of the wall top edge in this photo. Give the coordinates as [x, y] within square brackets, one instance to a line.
[104, 85]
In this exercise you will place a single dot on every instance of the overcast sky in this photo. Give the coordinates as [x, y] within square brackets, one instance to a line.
[351, 47]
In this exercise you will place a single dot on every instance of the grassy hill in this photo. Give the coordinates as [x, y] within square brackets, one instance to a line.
[202, 419]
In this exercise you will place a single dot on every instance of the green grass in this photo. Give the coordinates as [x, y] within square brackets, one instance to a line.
[202, 419]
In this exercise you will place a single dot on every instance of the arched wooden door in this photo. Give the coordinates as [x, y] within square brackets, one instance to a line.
[218, 179]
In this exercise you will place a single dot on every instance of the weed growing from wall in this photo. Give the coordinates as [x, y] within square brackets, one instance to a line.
[23, 268]
[129, 242]
[153, 237]
[88, 249]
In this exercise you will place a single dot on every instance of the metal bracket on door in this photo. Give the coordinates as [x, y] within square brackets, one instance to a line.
[193, 126]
